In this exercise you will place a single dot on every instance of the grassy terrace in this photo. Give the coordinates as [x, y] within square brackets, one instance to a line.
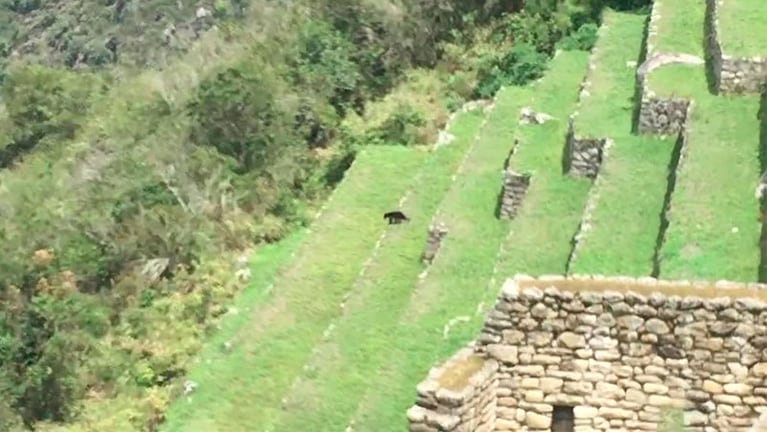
[242, 389]
[554, 203]
[633, 182]
[457, 281]
[714, 232]
[680, 28]
[327, 394]
[742, 24]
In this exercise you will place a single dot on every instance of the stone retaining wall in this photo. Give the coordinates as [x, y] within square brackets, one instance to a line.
[742, 75]
[760, 191]
[663, 116]
[713, 48]
[583, 155]
[433, 242]
[514, 190]
[618, 352]
[732, 74]
[461, 395]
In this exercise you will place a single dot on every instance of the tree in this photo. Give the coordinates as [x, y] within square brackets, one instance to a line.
[42, 101]
[237, 113]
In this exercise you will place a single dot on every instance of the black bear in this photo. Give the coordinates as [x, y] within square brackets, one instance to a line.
[395, 217]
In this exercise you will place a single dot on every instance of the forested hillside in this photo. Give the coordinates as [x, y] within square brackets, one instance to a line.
[145, 146]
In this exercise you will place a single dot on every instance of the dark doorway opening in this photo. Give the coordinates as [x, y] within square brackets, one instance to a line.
[563, 419]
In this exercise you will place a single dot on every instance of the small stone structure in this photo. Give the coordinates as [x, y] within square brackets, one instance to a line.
[731, 74]
[761, 188]
[459, 396]
[436, 234]
[529, 116]
[514, 190]
[613, 352]
[583, 155]
[741, 75]
[660, 114]
[664, 116]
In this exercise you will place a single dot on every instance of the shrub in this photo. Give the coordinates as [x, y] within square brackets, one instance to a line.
[518, 66]
[324, 63]
[402, 126]
[582, 39]
[237, 113]
[409, 115]
[42, 102]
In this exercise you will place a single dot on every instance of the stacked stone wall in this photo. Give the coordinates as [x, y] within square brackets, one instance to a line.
[713, 48]
[584, 155]
[459, 396]
[433, 242]
[732, 74]
[619, 352]
[742, 75]
[760, 191]
[514, 190]
[663, 116]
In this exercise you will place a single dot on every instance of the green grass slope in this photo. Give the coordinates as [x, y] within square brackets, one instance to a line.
[328, 392]
[633, 176]
[456, 284]
[680, 27]
[740, 24]
[539, 238]
[241, 390]
[714, 230]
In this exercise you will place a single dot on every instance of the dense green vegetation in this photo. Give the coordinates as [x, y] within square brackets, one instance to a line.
[140, 169]
[136, 164]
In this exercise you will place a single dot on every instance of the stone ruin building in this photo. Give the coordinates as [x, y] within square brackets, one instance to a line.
[592, 353]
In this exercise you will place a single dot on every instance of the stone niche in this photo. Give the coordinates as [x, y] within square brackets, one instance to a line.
[732, 74]
[583, 156]
[607, 354]
[514, 190]
[436, 234]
